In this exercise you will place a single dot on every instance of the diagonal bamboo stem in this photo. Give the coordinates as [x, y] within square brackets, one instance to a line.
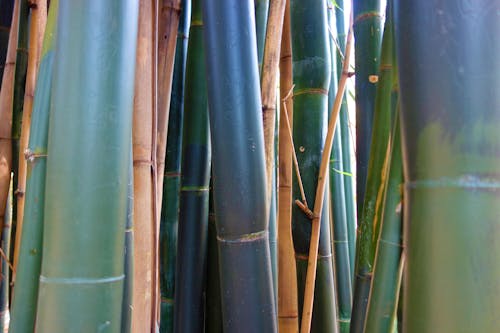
[320, 191]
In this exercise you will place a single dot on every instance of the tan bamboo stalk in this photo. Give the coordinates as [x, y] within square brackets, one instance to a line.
[320, 191]
[142, 138]
[6, 100]
[37, 30]
[168, 22]
[288, 313]
[268, 83]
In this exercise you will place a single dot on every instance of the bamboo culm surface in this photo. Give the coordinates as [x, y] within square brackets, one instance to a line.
[190, 274]
[239, 166]
[450, 112]
[79, 289]
[171, 183]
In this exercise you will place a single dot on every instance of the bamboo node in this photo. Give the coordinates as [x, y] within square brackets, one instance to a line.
[18, 193]
[32, 4]
[304, 208]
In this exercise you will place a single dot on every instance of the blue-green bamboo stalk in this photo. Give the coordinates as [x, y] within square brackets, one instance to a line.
[81, 282]
[171, 183]
[189, 311]
[239, 166]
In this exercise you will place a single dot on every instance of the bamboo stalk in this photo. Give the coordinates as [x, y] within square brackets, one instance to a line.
[189, 310]
[337, 200]
[261, 18]
[128, 283]
[81, 282]
[6, 11]
[38, 20]
[320, 190]
[171, 184]
[239, 166]
[450, 112]
[368, 34]
[18, 101]
[384, 291]
[6, 105]
[168, 23]
[287, 273]
[25, 292]
[269, 78]
[142, 139]
[369, 223]
[345, 134]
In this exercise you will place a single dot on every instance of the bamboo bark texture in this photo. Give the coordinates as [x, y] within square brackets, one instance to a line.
[81, 282]
[144, 127]
[239, 166]
[450, 111]
[288, 313]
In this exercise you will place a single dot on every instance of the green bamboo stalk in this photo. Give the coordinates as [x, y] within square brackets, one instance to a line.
[450, 111]
[340, 247]
[128, 283]
[25, 292]
[81, 282]
[384, 291]
[368, 224]
[367, 37]
[239, 166]
[189, 311]
[345, 135]
[5, 277]
[18, 101]
[171, 184]
[6, 10]
[213, 318]
[311, 74]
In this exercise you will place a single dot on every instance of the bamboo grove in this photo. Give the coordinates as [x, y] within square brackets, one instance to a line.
[249, 166]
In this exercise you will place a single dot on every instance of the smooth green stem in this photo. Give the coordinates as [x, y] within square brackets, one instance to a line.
[82, 274]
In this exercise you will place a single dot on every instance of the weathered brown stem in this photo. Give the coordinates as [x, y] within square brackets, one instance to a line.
[288, 313]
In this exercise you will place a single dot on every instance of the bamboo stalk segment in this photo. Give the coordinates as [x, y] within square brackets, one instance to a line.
[38, 20]
[168, 23]
[5, 262]
[450, 112]
[25, 292]
[377, 172]
[307, 311]
[287, 274]
[171, 183]
[142, 140]
[81, 282]
[337, 199]
[239, 166]
[368, 36]
[6, 105]
[190, 279]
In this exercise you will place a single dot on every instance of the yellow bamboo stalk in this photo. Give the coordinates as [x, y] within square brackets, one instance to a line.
[144, 196]
[288, 313]
[168, 23]
[37, 29]
[320, 191]
[6, 101]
